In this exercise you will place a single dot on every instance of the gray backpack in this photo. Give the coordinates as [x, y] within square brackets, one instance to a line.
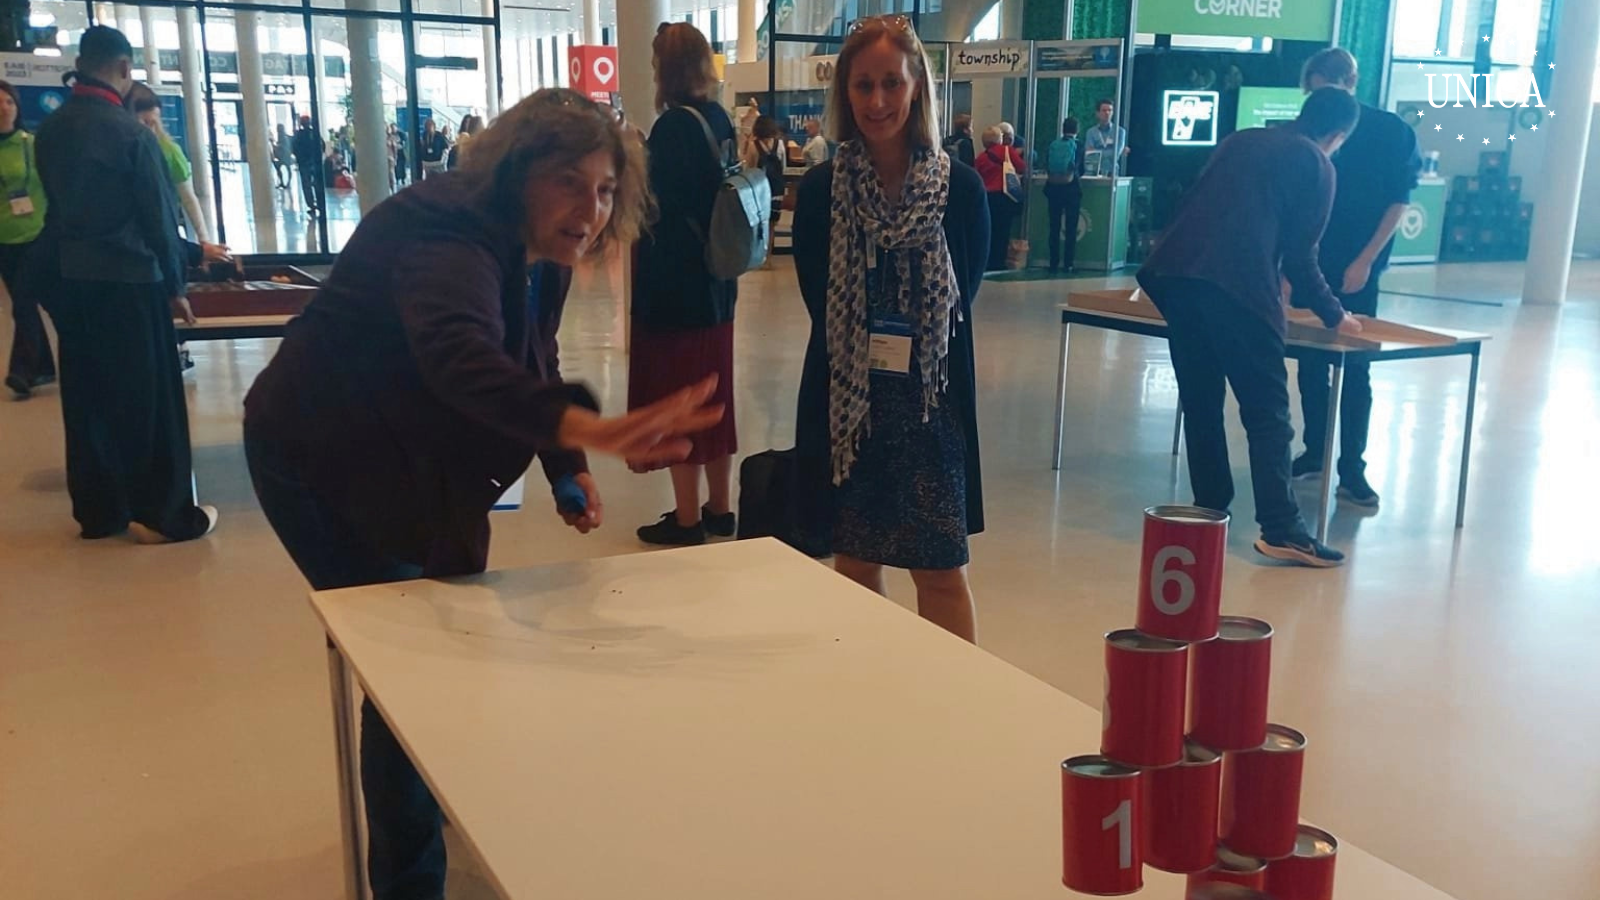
[741, 232]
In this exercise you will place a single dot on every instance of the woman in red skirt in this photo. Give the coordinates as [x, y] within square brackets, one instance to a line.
[682, 316]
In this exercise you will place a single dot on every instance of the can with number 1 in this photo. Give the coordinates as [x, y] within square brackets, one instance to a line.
[1180, 572]
[1099, 827]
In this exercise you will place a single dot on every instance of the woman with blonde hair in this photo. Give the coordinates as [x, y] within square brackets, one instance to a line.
[682, 315]
[890, 240]
[419, 384]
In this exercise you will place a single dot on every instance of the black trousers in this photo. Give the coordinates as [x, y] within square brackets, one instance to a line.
[1355, 400]
[1216, 343]
[1066, 202]
[311, 187]
[122, 404]
[1002, 209]
[406, 857]
[30, 343]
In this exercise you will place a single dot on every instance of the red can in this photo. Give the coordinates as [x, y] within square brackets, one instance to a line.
[1099, 827]
[1228, 697]
[1180, 572]
[1261, 795]
[1142, 719]
[1179, 820]
[1232, 868]
[1308, 874]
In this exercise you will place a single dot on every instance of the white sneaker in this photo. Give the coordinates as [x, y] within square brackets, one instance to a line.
[144, 534]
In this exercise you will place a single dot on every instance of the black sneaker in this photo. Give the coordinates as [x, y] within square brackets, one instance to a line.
[20, 389]
[668, 533]
[1356, 492]
[724, 525]
[1301, 550]
[1305, 466]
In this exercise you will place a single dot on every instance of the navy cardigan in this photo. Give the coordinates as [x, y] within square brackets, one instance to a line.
[966, 228]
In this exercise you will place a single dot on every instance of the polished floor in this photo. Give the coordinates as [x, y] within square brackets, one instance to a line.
[164, 722]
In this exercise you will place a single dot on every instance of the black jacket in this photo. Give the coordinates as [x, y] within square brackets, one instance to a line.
[113, 215]
[672, 289]
[416, 387]
[308, 147]
[966, 230]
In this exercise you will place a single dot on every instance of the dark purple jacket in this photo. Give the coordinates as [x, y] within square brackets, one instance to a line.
[415, 388]
[1258, 210]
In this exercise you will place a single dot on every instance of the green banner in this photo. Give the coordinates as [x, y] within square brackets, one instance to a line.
[1297, 20]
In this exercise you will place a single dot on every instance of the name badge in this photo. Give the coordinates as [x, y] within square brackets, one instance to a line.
[22, 206]
[889, 352]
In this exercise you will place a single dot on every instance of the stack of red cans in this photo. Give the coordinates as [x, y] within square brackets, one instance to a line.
[1191, 778]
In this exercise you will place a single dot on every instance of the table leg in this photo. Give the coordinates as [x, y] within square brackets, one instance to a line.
[1329, 443]
[345, 740]
[1177, 430]
[1466, 439]
[1061, 396]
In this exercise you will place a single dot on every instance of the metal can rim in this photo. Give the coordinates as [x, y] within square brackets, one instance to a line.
[1285, 731]
[1315, 834]
[1162, 645]
[1238, 863]
[1184, 515]
[1072, 764]
[1198, 755]
[1262, 628]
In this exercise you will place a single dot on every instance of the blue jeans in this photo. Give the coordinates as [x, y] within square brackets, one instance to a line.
[405, 843]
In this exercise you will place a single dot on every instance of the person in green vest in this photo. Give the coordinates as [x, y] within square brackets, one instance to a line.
[31, 362]
[144, 103]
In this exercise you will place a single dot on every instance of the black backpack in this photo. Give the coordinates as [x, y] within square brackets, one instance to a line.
[767, 501]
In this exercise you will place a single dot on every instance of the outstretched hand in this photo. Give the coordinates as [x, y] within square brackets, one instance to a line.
[650, 435]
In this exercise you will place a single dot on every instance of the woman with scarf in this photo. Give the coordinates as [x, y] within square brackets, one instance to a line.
[890, 240]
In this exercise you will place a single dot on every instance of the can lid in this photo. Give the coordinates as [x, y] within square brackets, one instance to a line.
[1229, 861]
[1133, 639]
[1096, 766]
[1188, 515]
[1242, 629]
[1314, 843]
[1283, 739]
[1221, 890]
[1197, 754]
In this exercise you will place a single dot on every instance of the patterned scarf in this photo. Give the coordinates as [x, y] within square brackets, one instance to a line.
[911, 233]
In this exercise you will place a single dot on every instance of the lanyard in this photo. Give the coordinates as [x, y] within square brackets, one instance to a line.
[27, 164]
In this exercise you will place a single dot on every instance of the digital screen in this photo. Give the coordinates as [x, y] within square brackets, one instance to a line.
[1263, 106]
[1191, 118]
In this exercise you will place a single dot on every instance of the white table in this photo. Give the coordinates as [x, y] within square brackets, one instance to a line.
[731, 721]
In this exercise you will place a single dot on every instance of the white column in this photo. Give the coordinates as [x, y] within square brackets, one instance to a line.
[1566, 143]
[258, 149]
[636, 31]
[319, 72]
[366, 94]
[491, 65]
[591, 21]
[152, 54]
[194, 105]
[123, 17]
[748, 51]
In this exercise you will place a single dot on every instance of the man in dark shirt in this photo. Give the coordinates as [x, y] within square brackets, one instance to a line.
[308, 153]
[1254, 216]
[112, 262]
[959, 144]
[1377, 168]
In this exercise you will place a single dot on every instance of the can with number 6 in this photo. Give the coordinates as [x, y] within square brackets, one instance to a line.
[1142, 720]
[1100, 827]
[1180, 572]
